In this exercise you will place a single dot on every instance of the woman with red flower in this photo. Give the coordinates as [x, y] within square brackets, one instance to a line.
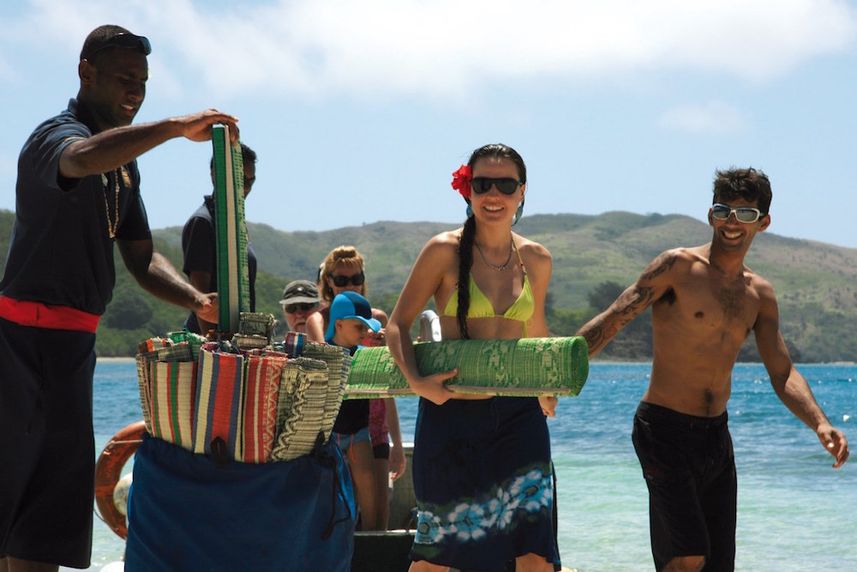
[482, 467]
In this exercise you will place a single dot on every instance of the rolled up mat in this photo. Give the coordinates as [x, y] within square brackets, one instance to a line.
[338, 362]
[261, 394]
[303, 394]
[230, 232]
[218, 401]
[173, 389]
[524, 367]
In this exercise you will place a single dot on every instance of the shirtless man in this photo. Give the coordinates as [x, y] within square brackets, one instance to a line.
[705, 302]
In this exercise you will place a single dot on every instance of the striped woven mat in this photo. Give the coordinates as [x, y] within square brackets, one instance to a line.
[525, 367]
[230, 231]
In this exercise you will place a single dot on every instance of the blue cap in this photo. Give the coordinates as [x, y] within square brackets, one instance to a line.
[350, 306]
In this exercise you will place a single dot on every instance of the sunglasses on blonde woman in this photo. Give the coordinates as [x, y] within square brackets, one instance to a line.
[341, 281]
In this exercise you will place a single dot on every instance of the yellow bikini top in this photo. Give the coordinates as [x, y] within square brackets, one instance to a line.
[480, 306]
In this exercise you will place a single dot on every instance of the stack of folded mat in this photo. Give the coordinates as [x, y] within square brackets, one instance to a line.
[249, 405]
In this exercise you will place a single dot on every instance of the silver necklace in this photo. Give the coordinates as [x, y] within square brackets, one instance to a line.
[501, 267]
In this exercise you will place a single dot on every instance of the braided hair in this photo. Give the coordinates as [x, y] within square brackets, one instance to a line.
[468, 234]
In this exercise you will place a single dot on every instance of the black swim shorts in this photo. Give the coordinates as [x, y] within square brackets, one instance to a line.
[46, 444]
[689, 467]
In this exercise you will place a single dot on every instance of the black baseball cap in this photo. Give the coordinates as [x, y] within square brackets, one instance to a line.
[300, 292]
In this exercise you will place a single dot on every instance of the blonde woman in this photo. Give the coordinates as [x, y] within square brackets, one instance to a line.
[372, 458]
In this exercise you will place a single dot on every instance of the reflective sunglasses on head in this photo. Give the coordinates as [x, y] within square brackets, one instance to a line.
[746, 215]
[342, 281]
[299, 307]
[505, 185]
[123, 40]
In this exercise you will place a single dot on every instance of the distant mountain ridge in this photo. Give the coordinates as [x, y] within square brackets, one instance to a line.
[593, 255]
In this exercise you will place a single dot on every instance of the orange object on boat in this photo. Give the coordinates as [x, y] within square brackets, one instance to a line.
[108, 471]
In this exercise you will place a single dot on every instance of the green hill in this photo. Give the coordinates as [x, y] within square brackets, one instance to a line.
[594, 258]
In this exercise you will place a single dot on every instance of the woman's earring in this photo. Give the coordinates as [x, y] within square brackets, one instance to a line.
[469, 211]
[518, 213]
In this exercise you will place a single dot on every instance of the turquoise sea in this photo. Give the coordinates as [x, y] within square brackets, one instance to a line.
[795, 513]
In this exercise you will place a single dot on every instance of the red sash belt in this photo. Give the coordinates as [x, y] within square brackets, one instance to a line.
[38, 315]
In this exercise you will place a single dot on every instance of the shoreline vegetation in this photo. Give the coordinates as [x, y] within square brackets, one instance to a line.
[595, 258]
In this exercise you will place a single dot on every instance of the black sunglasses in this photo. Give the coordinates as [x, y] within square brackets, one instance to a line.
[299, 307]
[505, 185]
[342, 281]
[123, 40]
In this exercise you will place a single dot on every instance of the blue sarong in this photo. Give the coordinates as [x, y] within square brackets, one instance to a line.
[484, 483]
[188, 513]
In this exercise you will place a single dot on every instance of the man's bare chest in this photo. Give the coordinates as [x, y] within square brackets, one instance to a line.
[711, 307]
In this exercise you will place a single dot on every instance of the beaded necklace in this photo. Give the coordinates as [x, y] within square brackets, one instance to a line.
[112, 225]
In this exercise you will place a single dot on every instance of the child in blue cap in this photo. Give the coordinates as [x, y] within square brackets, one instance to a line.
[350, 314]
[350, 318]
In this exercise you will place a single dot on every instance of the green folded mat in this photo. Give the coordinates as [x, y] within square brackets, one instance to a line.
[230, 231]
[525, 367]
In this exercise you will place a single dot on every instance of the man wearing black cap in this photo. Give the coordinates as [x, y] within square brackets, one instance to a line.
[300, 299]
[77, 193]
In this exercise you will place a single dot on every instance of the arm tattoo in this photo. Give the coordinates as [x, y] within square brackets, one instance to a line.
[594, 337]
[601, 330]
[663, 263]
[642, 297]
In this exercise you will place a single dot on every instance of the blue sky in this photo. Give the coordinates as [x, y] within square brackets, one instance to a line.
[360, 110]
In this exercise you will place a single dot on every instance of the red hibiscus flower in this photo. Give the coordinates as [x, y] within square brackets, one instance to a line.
[461, 181]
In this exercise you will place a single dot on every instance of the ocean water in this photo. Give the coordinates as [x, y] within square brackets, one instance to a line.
[795, 512]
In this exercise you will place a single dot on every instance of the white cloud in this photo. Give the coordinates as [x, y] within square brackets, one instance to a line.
[713, 117]
[447, 48]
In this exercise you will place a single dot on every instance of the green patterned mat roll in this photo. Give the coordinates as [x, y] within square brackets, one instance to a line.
[525, 367]
[233, 279]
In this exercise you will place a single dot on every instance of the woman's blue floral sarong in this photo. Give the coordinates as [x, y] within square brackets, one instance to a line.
[484, 484]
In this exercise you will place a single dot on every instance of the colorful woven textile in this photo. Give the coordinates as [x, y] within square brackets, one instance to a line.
[143, 360]
[261, 394]
[257, 324]
[219, 391]
[174, 348]
[338, 362]
[294, 343]
[194, 341]
[151, 344]
[250, 342]
[301, 409]
[525, 367]
[233, 278]
[172, 389]
[174, 353]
